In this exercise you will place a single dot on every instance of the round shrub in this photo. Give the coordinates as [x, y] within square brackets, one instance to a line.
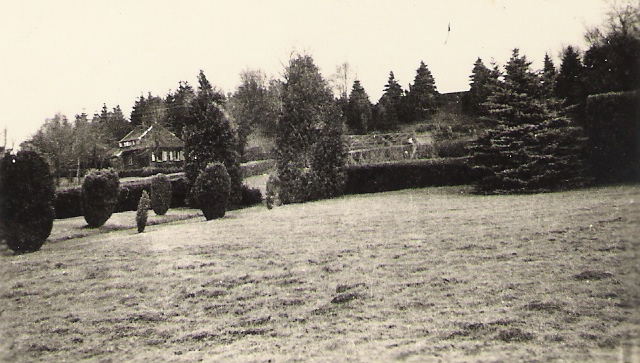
[211, 190]
[160, 194]
[27, 193]
[143, 211]
[250, 196]
[99, 196]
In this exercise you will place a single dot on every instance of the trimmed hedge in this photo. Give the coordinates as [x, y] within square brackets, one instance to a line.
[68, 201]
[382, 177]
[258, 167]
[148, 171]
[612, 124]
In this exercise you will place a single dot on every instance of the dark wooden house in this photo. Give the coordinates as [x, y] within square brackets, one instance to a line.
[151, 146]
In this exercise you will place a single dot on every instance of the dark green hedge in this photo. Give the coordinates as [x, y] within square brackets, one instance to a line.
[68, 201]
[612, 124]
[148, 171]
[373, 178]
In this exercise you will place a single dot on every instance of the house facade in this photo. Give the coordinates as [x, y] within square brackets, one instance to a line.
[149, 146]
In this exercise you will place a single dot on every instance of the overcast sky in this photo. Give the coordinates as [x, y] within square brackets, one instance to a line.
[73, 56]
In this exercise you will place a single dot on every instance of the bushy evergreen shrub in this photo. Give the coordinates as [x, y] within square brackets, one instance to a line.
[273, 191]
[27, 193]
[211, 189]
[534, 146]
[309, 150]
[250, 196]
[100, 191]
[160, 194]
[143, 211]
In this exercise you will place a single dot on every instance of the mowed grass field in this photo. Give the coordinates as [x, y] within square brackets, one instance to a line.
[427, 275]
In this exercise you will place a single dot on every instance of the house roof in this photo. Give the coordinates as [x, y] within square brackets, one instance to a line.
[154, 136]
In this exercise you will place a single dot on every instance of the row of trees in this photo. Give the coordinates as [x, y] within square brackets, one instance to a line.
[610, 64]
[536, 140]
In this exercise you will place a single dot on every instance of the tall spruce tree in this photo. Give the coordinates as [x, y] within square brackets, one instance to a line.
[359, 109]
[210, 135]
[310, 154]
[548, 76]
[535, 147]
[178, 103]
[389, 105]
[422, 96]
[570, 81]
[479, 88]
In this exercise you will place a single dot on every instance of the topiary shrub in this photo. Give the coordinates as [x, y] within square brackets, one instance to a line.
[160, 194]
[100, 191]
[143, 211]
[27, 193]
[210, 192]
[250, 196]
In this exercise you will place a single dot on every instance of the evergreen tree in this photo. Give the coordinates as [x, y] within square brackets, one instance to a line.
[422, 96]
[570, 81]
[137, 112]
[310, 154]
[113, 126]
[389, 108]
[359, 109]
[210, 136]
[548, 76]
[178, 107]
[534, 146]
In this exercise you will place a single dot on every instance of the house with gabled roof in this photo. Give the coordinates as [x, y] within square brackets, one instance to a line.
[149, 146]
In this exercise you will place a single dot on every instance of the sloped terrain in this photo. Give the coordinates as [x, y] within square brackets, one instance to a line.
[422, 275]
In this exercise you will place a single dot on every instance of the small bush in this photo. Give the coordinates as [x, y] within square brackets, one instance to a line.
[143, 211]
[100, 191]
[452, 148]
[211, 190]
[250, 196]
[160, 194]
[26, 201]
[273, 191]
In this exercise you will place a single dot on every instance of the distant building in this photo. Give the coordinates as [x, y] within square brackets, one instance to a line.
[151, 146]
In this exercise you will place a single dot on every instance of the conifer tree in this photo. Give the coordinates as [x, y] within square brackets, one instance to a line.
[534, 147]
[422, 95]
[570, 81]
[178, 107]
[358, 109]
[389, 105]
[210, 135]
[548, 76]
[310, 153]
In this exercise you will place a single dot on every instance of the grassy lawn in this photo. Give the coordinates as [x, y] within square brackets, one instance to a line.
[424, 275]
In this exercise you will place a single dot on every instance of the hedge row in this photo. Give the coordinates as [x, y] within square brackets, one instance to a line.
[148, 171]
[68, 201]
[612, 125]
[258, 167]
[374, 178]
